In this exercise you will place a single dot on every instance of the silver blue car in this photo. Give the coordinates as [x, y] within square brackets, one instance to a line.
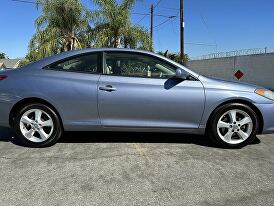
[128, 90]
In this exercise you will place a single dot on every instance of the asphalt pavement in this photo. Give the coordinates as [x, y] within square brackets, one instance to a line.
[98, 168]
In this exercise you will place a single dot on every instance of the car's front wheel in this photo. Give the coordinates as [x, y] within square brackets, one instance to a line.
[233, 125]
[37, 125]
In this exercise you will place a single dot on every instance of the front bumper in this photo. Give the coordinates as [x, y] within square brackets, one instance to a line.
[267, 111]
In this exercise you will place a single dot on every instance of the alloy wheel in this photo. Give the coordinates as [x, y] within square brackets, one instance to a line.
[36, 125]
[234, 126]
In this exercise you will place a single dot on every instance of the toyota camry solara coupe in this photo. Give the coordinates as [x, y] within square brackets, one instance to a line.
[128, 90]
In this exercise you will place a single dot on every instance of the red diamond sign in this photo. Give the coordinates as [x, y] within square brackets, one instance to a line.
[239, 74]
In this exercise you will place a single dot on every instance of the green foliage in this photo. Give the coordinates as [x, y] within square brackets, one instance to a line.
[24, 62]
[2, 55]
[113, 28]
[175, 56]
[59, 28]
[67, 25]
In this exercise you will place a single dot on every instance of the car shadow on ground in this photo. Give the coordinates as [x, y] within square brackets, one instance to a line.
[7, 135]
[138, 137]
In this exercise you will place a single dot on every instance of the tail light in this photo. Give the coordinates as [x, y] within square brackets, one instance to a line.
[2, 77]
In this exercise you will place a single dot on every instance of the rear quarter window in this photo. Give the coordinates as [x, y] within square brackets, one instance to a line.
[85, 63]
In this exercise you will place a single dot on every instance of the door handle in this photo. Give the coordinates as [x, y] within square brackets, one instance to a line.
[107, 88]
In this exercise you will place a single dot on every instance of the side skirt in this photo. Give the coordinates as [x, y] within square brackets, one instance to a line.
[199, 131]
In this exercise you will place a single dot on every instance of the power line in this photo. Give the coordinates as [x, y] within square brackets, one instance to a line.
[141, 19]
[148, 14]
[157, 4]
[160, 15]
[134, 13]
[171, 19]
[163, 7]
[164, 22]
[201, 44]
[24, 1]
[169, 8]
[208, 30]
[157, 15]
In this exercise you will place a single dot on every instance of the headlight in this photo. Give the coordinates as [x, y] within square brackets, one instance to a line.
[265, 93]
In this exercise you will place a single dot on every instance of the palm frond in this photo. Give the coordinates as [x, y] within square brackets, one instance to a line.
[112, 25]
[60, 27]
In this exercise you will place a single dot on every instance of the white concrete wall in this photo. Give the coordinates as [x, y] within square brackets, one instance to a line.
[257, 69]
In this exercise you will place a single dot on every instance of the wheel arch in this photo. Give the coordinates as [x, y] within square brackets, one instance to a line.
[241, 101]
[31, 100]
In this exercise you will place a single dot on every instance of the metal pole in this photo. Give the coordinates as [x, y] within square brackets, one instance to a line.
[151, 26]
[182, 26]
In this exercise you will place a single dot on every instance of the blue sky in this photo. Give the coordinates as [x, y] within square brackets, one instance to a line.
[231, 24]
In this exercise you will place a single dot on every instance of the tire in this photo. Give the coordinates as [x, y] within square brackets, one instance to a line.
[227, 132]
[37, 125]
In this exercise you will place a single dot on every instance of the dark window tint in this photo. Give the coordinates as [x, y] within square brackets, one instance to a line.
[87, 63]
[137, 65]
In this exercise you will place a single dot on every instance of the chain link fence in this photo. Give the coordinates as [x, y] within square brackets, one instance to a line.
[266, 50]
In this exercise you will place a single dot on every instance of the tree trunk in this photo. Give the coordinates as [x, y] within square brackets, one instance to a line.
[71, 44]
[67, 46]
[117, 40]
[126, 43]
[72, 41]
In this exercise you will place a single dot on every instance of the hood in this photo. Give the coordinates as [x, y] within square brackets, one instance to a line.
[221, 84]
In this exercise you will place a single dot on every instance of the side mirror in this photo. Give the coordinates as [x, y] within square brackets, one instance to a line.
[182, 74]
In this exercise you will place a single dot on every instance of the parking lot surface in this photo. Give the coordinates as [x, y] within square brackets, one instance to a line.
[98, 168]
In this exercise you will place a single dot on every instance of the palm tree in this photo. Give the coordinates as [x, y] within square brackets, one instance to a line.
[113, 28]
[175, 56]
[61, 27]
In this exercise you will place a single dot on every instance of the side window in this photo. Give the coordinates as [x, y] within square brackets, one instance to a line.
[137, 65]
[84, 63]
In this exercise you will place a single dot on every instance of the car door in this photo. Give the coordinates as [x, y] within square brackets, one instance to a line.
[72, 84]
[140, 91]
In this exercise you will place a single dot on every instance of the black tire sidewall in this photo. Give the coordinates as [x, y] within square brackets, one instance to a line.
[213, 134]
[57, 130]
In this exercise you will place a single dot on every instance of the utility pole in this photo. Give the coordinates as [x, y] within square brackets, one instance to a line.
[151, 25]
[182, 27]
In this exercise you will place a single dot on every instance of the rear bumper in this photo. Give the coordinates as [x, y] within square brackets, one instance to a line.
[267, 111]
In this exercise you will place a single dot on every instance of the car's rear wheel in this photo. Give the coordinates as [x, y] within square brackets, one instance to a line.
[37, 125]
[233, 125]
